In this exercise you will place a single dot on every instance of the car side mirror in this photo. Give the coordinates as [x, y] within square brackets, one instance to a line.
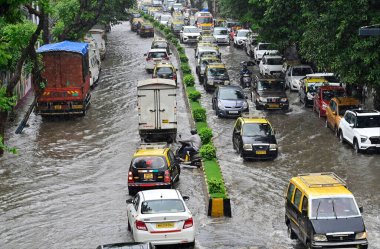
[130, 201]
[361, 210]
[145, 54]
[351, 125]
[185, 198]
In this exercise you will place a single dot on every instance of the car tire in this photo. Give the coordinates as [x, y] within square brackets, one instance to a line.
[341, 138]
[356, 146]
[291, 233]
[326, 124]
[336, 131]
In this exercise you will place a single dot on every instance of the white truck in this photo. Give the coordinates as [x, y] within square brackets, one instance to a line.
[157, 110]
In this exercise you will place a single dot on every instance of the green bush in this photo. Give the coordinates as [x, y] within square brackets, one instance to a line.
[208, 151]
[199, 114]
[194, 95]
[188, 78]
[183, 58]
[185, 67]
[156, 23]
[216, 186]
[205, 134]
[180, 49]
[167, 31]
[161, 26]
[175, 41]
[169, 36]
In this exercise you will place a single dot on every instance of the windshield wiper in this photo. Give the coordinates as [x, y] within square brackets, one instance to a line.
[333, 205]
[319, 203]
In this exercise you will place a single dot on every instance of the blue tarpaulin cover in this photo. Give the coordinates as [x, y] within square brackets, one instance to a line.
[67, 46]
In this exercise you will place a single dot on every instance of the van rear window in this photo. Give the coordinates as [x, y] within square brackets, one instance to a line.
[148, 163]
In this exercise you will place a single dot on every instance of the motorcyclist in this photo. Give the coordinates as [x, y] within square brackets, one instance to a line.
[245, 70]
[194, 143]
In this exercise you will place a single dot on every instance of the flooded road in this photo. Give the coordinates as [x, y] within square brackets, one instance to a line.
[68, 185]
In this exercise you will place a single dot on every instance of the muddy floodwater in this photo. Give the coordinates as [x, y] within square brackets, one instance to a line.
[67, 187]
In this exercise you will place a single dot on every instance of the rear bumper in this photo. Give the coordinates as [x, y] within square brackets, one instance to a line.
[273, 106]
[149, 184]
[51, 108]
[270, 155]
[183, 236]
[232, 113]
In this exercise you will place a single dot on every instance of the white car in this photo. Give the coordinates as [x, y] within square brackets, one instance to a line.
[271, 65]
[240, 37]
[261, 49]
[361, 128]
[155, 56]
[189, 34]
[161, 217]
[165, 19]
[294, 74]
[221, 35]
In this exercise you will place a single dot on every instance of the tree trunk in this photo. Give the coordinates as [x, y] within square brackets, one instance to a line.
[3, 121]
[376, 100]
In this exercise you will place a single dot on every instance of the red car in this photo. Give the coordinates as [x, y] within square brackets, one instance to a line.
[324, 95]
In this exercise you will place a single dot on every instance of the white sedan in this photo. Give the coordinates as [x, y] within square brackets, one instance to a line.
[161, 217]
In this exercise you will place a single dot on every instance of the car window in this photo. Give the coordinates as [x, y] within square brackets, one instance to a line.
[162, 206]
[368, 121]
[344, 108]
[289, 195]
[190, 30]
[171, 157]
[148, 162]
[331, 208]
[164, 70]
[136, 202]
[217, 72]
[221, 32]
[327, 95]
[274, 86]
[274, 61]
[157, 55]
[347, 117]
[297, 198]
[305, 203]
[332, 106]
[255, 129]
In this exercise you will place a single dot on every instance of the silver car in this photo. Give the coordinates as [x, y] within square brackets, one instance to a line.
[229, 101]
[221, 35]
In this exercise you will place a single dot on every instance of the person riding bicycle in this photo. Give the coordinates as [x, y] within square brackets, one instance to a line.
[194, 143]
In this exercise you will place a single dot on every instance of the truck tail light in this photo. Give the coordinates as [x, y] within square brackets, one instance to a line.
[130, 176]
[188, 223]
[140, 225]
[167, 176]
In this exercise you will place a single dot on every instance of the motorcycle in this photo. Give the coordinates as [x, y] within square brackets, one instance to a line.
[192, 159]
[246, 80]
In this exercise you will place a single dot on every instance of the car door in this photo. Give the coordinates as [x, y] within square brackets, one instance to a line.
[133, 209]
[236, 134]
[174, 167]
[351, 128]
[303, 219]
[296, 212]
[331, 112]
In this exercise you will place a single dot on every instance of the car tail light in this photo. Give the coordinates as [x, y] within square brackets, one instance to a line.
[188, 223]
[167, 176]
[130, 176]
[148, 58]
[140, 225]
[175, 77]
[166, 58]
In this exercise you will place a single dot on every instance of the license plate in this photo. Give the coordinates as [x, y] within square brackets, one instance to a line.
[165, 225]
[77, 106]
[233, 112]
[148, 176]
[165, 121]
[261, 152]
[57, 107]
[273, 105]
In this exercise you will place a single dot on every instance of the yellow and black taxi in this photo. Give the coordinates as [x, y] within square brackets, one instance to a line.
[268, 92]
[254, 138]
[153, 166]
[203, 62]
[165, 70]
[215, 74]
[146, 30]
[322, 213]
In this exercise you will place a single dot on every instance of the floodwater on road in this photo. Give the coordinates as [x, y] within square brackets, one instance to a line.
[68, 185]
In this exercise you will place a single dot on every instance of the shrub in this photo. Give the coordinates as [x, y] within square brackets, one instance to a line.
[188, 78]
[169, 36]
[167, 31]
[199, 114]
[183, 58]
[186, 69]
[194, 95]
[205, 134]
[180, 49]
[175, 41]
[156, 23]
[208, 151]
[161, 26]
[216, 186]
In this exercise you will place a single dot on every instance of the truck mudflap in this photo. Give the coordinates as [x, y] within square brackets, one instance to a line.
[63, 107]
[154, 135]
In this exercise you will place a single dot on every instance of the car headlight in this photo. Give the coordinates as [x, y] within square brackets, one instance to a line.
[220, 105]
[247, 147]
[310, 96]
[185, 36]
[363, 138]
[320, 237]
[284, 100]
[245, 105]
[273, 147]
[226, 82]
[362, 235]
[261, 99]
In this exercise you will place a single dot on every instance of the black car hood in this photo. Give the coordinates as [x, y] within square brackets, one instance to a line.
[259, 140]
[323, 226]
[276, 94]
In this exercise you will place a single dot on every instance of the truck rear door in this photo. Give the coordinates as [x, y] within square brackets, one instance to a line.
[147, 109]
[167, 117]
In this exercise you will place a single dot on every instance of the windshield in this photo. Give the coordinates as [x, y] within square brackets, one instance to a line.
[164, 71]
[147, 27]
[177, 26]
[254, 129]
[165, 18]
[329, 94]
[217, 72]
[220, 32]
[368, 121]
[302, 71]
[201, 20]
[191, 30]
[344, 108]
[264, 46]
[231, 94]
[211, 53]
[274, 61]
[148, 162]
[313, 87]
[273, 86]
[242, 33]
[157, 55]
[162, 206]
[332, 208]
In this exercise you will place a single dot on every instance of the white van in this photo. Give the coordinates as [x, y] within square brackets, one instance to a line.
[94, 61]
[100, 37]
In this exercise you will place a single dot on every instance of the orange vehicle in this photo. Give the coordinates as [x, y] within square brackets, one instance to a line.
[336, 109]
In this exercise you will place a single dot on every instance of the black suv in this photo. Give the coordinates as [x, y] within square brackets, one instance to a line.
[268, 92]
[153, 166]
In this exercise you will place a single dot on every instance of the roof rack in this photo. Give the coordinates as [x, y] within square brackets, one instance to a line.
[150, 146]
[334, 182]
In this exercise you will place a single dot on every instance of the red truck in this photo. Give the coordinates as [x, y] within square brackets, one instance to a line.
[324, 95]
[67, 79]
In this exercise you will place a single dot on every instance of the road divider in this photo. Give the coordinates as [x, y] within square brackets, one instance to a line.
[218, 201]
